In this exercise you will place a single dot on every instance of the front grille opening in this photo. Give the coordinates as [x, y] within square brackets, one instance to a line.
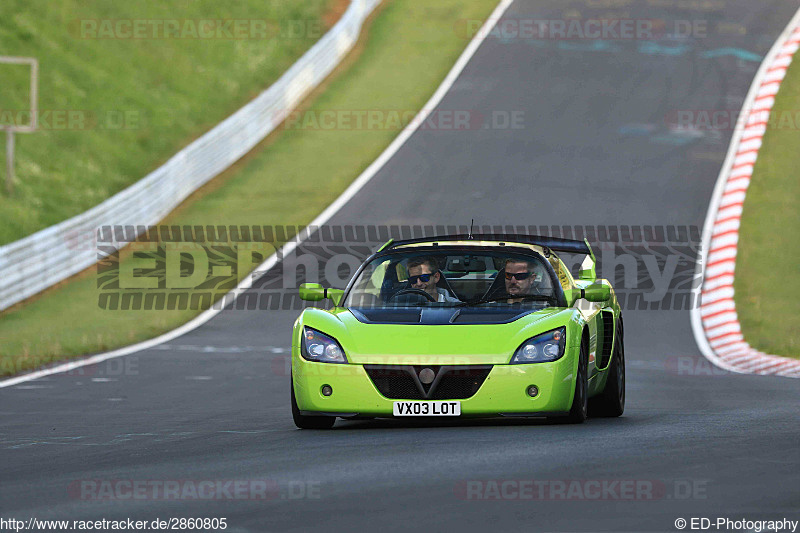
[452, 383]
[460, 384]
[394, 382]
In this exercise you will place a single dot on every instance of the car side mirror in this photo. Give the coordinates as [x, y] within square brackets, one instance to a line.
[596, 292]
[314, 292]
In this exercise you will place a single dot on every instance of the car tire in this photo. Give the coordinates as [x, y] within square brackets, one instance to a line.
[579, 411]
[611, 402]
[309, 422]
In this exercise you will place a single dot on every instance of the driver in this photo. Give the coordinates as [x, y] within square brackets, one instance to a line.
[423, 274]
[519, 278]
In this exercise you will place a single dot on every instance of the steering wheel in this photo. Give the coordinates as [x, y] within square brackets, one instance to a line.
[418, 292]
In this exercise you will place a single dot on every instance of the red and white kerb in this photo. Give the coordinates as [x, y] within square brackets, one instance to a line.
[717, 307]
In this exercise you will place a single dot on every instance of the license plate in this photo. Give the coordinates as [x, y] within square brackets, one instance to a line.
[426, 409]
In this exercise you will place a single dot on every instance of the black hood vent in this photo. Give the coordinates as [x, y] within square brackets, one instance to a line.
[437, 316]
[399, 315]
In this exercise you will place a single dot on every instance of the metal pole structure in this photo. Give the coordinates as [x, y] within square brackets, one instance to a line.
[10, 161]
[34, 64]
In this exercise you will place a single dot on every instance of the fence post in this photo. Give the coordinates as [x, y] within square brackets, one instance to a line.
[9, 161]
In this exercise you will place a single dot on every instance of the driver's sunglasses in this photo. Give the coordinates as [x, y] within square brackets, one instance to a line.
[519, 275]
[425, 278]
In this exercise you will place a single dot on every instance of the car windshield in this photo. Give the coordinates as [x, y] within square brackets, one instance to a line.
[452, 277]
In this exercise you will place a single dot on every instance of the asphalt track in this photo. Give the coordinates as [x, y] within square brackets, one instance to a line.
[213, 404]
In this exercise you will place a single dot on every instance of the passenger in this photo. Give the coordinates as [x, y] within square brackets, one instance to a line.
[423, 274]
[519, 279]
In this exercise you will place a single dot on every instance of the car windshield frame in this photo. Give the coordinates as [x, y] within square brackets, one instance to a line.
[490, 250]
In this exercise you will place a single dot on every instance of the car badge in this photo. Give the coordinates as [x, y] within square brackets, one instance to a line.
[426, 376]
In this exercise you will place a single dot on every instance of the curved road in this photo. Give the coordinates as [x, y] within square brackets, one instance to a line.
[593, 148]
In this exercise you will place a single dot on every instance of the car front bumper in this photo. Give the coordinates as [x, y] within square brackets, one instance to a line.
[503, 393]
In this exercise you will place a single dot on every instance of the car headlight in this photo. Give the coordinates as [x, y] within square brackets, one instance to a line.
[542, 348]
[317, 346]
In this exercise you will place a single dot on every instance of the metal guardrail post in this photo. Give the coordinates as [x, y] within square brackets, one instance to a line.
[9, 161]
[10, 129]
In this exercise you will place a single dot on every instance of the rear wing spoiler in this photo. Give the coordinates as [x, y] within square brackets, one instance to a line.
[556, 244]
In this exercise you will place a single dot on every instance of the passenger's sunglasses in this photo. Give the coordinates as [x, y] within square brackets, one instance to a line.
[519, 275]
[425, 278]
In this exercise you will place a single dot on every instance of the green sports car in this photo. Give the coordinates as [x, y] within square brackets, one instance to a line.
[461, 326]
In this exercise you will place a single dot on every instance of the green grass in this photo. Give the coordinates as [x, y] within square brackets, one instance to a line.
[137, 101]
[767, 281]
[410, 47]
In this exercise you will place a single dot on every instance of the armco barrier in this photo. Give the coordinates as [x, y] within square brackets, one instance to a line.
[41, 260]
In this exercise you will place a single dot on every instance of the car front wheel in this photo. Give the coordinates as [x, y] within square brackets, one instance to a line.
[611, 402]
[309, 422]
[580, 409]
